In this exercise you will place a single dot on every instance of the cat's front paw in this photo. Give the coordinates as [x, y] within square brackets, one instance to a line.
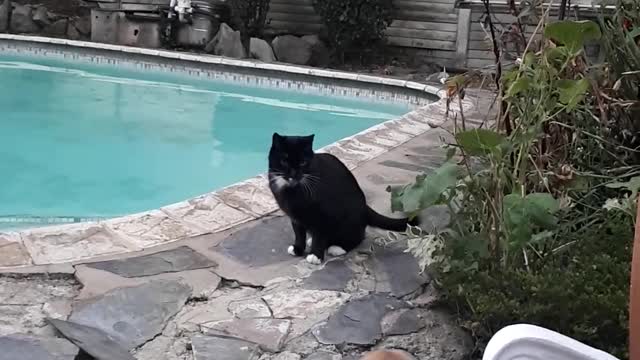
[293, 251]
[312, 259]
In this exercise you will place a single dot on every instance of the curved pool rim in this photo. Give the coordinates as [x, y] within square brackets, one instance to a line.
[222, 209]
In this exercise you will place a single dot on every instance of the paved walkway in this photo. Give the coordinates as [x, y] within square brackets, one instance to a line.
[237, 294]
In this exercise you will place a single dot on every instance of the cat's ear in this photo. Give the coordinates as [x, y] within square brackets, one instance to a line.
[276, 140]
[310, 138]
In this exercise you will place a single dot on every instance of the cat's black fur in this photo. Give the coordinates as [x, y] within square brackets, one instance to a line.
[321, 196]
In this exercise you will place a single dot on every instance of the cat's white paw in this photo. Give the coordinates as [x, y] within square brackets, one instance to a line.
[336, 251]
[312, 259]
[309, 242]
[291, 250]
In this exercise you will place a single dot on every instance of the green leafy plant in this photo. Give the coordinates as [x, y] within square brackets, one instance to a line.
[541, 203]
[250, 18]
[354, 25]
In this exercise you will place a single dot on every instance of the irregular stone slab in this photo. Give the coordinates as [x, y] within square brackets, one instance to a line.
[96, 282]
[207, 212]
[252, 196]
[262, 244]
[21, 20]
[13, 251]
[93, 341]
[335, 275]
[25, 347]
[324, 355]
[219, 348]
[396, 271]
[249, 308]
[306, 308]
[178, 259]
[268, 333]
[73, 242]
[5, 11]
[441, 339]
[217, 308]
[402, 322]
[357, 322]
[133, 315]
[151, 228]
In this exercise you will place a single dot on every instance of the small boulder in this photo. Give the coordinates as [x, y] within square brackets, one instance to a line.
[261, 50]
[83, 25]
[292, 49]
[5, 11]
[22, 20]
[319, 52]
[227, 42]
[41, 16]
[72, 32]
[57, 28]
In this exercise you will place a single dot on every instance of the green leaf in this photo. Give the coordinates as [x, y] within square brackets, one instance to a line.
[425, 191]
[544, 200]
[572, 92]
[478, 142]
[573, 34]
[522, 215]
[518, 86]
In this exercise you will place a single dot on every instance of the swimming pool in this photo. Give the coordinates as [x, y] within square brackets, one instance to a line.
[81, 140]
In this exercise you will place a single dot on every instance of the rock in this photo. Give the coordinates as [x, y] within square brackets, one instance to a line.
[357, 322]
[261, 50]
[41, 16]
[389, 354]
[5, 11]
[83, 25]
[396, 271]
[226, 43]
[22, 347]
[319, 52]
[291, 49]
[402, 322]
[268, 333]
[72, 33]
[263, 244]
[220, 348]
[249, 308]
[335, 275]
[287, 355]
[175, 260]
[93, 341]
[22, 21]
[133, 315]
[57, 28]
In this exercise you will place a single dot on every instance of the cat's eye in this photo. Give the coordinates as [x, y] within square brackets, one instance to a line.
[283, 162]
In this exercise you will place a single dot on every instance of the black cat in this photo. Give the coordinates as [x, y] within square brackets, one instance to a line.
[322, 198]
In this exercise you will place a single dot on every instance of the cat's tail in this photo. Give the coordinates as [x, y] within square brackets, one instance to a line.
[387, 223]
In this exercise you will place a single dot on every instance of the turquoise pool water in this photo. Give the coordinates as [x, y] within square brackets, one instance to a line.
[85, 141]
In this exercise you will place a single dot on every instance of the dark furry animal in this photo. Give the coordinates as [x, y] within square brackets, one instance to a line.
[322, 198]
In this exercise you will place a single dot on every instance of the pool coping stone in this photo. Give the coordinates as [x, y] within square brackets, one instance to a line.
[59, 247]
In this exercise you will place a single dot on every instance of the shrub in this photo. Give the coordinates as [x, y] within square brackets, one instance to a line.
[354, 25]
[543, 204]
[250, 18]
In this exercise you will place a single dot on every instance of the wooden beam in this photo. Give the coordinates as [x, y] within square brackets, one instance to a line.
[422, 25]
[421, 34]
[462, 39]
[419, 43]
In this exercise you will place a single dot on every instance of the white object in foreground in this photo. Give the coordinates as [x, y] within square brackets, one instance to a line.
[529, 342]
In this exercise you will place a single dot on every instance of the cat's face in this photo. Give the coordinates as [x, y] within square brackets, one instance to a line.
[289, 159]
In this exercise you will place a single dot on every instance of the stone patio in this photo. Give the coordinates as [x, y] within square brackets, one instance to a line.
[235, 294]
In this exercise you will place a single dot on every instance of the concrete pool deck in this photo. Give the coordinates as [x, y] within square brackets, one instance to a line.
[210, 278]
